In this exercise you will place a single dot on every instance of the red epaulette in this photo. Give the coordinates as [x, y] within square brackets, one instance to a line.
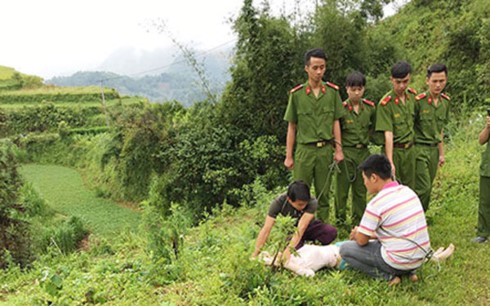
[296, 88]
[421, 96]
[445, 96]
[333, 85]
[412, 91]
[370, 103]
[385, 100]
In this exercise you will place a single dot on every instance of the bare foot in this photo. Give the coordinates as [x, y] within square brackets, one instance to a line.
[413, 278]
[395, 281]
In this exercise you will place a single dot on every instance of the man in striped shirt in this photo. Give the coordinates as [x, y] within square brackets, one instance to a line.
[392, 239]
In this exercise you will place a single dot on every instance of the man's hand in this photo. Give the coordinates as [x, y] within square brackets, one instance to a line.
[442, 160]
[289, 163]
[338, 156]
[393, 169]
[353, 233]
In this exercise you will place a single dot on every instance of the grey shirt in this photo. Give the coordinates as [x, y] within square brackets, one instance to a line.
[280, 205]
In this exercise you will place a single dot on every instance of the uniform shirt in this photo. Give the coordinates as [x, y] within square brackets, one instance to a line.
[429, 118]
[394, 215]
[314, 116]
[356, 127]
[485, 162]
[281, 205]
[392, 115]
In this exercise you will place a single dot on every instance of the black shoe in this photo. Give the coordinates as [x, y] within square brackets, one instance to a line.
[480, 239]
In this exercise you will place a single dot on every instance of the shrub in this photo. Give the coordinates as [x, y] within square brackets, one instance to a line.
[14, 232]
[65, 236]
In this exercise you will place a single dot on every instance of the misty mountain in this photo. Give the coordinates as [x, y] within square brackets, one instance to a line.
[158, 75]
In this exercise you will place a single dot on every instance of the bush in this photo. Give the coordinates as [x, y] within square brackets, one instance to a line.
[65, 236]
[14, 232]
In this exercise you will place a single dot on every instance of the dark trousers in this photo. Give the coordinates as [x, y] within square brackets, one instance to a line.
[318, 231]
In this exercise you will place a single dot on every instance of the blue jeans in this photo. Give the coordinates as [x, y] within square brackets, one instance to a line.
[368, 259]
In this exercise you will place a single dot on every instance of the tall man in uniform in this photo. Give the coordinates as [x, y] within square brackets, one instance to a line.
[431, 115]
[313, 114]
[484, 206]
[356, 127]
[395, 118]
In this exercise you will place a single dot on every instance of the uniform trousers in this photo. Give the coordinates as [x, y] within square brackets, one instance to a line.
[426, 163]
[311, 164]
[484, 207]
[351, 176]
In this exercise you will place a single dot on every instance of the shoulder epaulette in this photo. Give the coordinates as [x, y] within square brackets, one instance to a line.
[370, 103]
[412, 91]
[296, 88]
[385, 100]
[445, 96]
[333, 85]
[421, 96]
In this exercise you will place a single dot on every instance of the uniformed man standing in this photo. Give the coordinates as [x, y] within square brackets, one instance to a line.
[484, 206]
[356, 127]
[313, 114]
[431, 115]
[395, 118]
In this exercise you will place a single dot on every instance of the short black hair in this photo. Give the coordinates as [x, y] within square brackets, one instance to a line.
[436, 68]
[355, 79]
[377, 164]
[317, 52]
[401, 70]
[299, 190]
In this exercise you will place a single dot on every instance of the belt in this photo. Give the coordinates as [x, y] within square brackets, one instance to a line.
[405, 145]
[320, 144]
[427, 144]
[357, 146]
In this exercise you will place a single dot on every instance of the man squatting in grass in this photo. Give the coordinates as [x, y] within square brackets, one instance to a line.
[356, 127]
[392, 239]
[397, 242]
[313, 114]
[297, 204]
[431, 115]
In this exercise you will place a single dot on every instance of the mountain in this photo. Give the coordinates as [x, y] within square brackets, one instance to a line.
[160, 75]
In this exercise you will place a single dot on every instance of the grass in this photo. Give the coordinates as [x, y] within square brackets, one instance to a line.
[64, 191]
[213, 267]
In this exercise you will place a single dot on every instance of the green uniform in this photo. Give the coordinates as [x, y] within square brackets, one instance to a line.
[356, 129]
[429, 123]
[314, 118]
[484, 206]
[397, 117]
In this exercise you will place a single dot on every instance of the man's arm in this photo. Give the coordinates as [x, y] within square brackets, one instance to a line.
[303, 223]
[337, 134]
[360, 238]
[485, 133]
[290, 139]
[263, 235]
[389, 150]
[440, 146]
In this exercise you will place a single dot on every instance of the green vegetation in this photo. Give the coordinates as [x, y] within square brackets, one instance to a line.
[213, 265]
[64, 192]
[203, 176]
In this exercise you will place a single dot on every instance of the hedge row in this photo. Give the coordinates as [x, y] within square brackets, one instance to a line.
[58, 94]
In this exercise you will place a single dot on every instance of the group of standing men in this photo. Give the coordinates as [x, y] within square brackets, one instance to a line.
[408, 126]
[326, 131]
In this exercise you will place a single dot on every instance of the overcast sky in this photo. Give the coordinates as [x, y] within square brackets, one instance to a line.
[59, 37]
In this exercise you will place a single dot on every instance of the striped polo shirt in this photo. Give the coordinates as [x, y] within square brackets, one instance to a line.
[396, 216]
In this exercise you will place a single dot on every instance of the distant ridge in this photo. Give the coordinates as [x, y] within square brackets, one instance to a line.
[154, 76]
